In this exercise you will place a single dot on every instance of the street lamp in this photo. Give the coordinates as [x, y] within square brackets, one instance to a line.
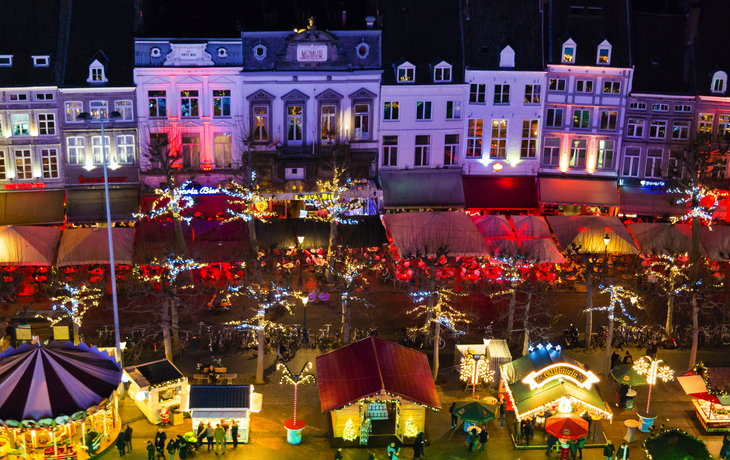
[305, 299]
[653, 369]
[300, 239]
[112, 116]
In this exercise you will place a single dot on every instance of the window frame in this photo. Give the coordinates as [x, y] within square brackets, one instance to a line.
[612, 87]
[80, 160]
[125, 108]
[335, 116]
[581, 119]
[225, 155]
[702, 125]
[98, 106]
[609, 120]
[529, 143]
[369, 104]
[582, 85]
[288, 117]
[190, 158]
[475, 138]
[554, 152]
[631, 128]
[661, 126]
[550, 120]
[79, 109]
[683, 108]
[604, 46]
[719, 82]
[578, 156]
[95, 148]
[266, 125]
[480, 97]
[193, 102]
[455, 110]
[424, 111]
[96, 69]
[47, 124]
[501, 138]
[687, 125]
[653, 160]
[637, 106]
[41, 61]
[393, 111]
[632, 162]
[559, 84]
[421, 151]
[3, 165]
[390, 152]
[222, 99]
[660, 107]
[407, 69]
[123, 149]
[160, 95]
[13, 124]
[601, 157]
[443, 67]
[451, 150]
[47, 168]
[532, 97]
[569, 44]
[501, 95]
[29, 166]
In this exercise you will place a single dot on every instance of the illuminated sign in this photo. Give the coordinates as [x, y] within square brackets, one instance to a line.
[202, 190]
[653, 183]
[312, 53]
[25, 186]
[565, 371]
[100, 180]
[309, 196]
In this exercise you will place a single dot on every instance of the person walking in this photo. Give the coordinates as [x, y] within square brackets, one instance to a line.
[338, 454]
[418, 445]
[128, 438]
[220, 436]
[573, 446]
[150, 451]
[581, 445]
[200, 435]
[171, 448]
[234, 434]
[121, 444]
[483, 436]
[725, 449]
[623, 452]
[615, 359]
[551, 441]
[609, 450]
[529, 429]
[209, 432]
[502, 411]
[454, 419]
[160, 439]
[225, 426]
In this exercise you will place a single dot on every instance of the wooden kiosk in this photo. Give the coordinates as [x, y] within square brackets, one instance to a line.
[224, 404]
[155, 386]
[376, 392]
[709, 386]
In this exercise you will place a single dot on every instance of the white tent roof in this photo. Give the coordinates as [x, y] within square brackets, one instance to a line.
[498, 235]
[417, 234]
[662, 238]
[536, 240]
[586, 234]
[716, 242]
[28, 246]
[86, 246]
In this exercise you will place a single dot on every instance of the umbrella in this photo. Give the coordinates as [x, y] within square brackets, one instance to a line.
[625, 373]
[566, 426]
[674, 444]
[475, 411]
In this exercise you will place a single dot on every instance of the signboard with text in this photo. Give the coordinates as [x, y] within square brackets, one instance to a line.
[581, 377]
[312, 53]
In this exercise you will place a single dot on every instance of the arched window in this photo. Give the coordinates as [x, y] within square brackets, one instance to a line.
[719, 82]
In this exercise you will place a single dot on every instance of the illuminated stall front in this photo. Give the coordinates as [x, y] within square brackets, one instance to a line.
[709, 388]
[224, 404]
[158, 387]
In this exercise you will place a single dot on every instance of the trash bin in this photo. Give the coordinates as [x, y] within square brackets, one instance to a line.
[177, 417]
[630, 399]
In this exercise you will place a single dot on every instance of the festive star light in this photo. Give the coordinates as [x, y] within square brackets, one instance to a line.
[79, 300]
[474, 370]
[693, 198]
[255, 205]
[296, 379]
[653, 369]
[617, 296]
[177, 202]
[329, 199]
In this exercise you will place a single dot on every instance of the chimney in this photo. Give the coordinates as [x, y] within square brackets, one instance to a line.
[370, 20]
[344, 19]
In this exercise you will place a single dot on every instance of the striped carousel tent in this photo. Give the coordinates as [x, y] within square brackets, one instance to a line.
[39, 382]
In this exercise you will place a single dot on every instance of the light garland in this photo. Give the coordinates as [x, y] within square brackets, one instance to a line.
[653, 369]
[329, 199]
[174, 266]
[701, 370]
[79, 299]
[168, 383]
[659, 432]
[296, 380]
[671, 274]
[177, 202]
[266, 297]
[441, 312]
[617, 295]
[475, 369]
[410, 430]
[255, 205]
[693, 199]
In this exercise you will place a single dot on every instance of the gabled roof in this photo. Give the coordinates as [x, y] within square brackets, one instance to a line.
[489, 26]
[373, 367]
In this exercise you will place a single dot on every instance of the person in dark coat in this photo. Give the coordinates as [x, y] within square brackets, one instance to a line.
[529, 429]
[454, 419]
[418, 445]
[160, 439]
[627, 358]
[502, 411]
[609, 450]
[473, 438]
[171, 448]
[150, 451]
[338, 454]
[483, 436]
[182, 448]
[623, 452]
[573, 447]
[615, 359]
[234, 433]
[623, 390]
[128, 438]
[551, 441]
[121, 444]
[581, 445]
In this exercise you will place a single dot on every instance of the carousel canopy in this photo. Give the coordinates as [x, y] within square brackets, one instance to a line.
[54, 380]
[86, 246]
[154, 373]
[418, 234]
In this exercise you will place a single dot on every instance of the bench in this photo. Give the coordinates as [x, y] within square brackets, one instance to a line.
[228, 377]
[200, 378]
[220, 370]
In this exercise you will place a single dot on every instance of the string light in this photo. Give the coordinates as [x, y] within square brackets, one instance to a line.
[442, 312]
[693, 198]
[653, 369]
[617, 296]
[475, 369]
[410, 430]
[173, 265]
[178, 200]
[266, 297]
[74, 305]
[349, 434]
[671, 271]
[254, 205]
[660, 432]
[330, 200]
[296, 380]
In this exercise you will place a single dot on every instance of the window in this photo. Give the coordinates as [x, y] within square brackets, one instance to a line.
[719, 82]
[423, 110]
[362, 50]
[477, 93]
[474, 138]
[604, 158]
[18, 97]
[529, 139]
[6, 60]
[507, 57]
[680, 130]
[704, 128]
[451, 149]
[723, 128]
[46, 124]
[125, 150]
[631, 162]
[556, 84]
[222, 52]
[653, 163]
[222, 143]
[683, 108]
[362, 121]
[76, 150]
[44, 97]
[160, 143]
[554, 118]
[675, 166]
[3, 166]
[604, 53]
[191, 150]
[99, 109]
[328, 122]
[612, 87]
[608, 119]
[637, 106]
[453, 110]
[584, 86]
[391, 110]
[155, 52]
[97, 153]
[658, 129]
[635, 128]
[20, 123]
[390, 150]
[125, 109]
[222, 103]
[442, 73]
[189, 103]
[498, 147]
[551, 152]
[41, 61]
[49, 161]
[294, 119]
[532, 94]
[423, 151]
[259, 52]
[23, 165]
[569, 52]
[501, 94]
[96, 73]
[578, 153]
[406, 73]
[158, 103]
[660, 107]
[581, 119]
[261, 123]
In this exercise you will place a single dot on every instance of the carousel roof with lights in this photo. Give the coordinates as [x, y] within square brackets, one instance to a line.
[54, 380]
[372, 367]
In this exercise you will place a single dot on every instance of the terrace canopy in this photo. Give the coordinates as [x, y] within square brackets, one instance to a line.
[87, 246]
[585, 234]
[28, 246]
[662, 238]
[418, 234]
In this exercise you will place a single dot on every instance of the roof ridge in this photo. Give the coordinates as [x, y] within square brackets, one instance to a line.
[377, 363]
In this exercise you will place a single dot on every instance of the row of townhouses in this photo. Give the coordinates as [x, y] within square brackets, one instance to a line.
[527, 106]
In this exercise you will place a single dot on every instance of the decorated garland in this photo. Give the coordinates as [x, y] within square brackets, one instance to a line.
[701, 370]
[659, 432]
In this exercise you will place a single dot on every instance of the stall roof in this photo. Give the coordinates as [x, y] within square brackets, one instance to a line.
[586, 234]
[373, 367]
[426, 188]
[658, 238]
[428, 233]
[28, 246]
[153, 373]
[219, 397]
[716, 242]
[500, 192]
[86, 246]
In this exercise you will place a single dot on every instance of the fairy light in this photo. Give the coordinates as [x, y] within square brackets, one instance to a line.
[617, 296]
[410, 430]
[475, 369]
[442, 312]
[296, 379]
[174, 266]
[74, 305]
[253, 203]
[330, 200]
[266, 296]
[653, 369]
[178, 200]
[671, 271]
[693, 199]
[350, 434]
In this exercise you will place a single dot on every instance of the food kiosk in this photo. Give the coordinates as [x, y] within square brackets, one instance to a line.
[218, 404]
[158, 388]
[709, 385]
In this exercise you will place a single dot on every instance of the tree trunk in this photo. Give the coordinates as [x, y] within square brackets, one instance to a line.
[436, 340]
[76, 332]
[526, 322]
[511, 314]
[345, 331]
[609, 340]
[589, 301]
[431, 287]
[175, 327]
[694, 259]
[331, 252]
[180, 246]
[260, 357]
[166, 331]
[670, 311]
[253, 244]
[695, 331]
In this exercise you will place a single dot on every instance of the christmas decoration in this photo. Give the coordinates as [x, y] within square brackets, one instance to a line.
[330, 203]
[173, 265]
[255, 205]
[349, 434]
[475, 370]
[653, 369]
[410, 430]
[266, 297]
[296, 380]
[694, 198]
[617, 295]
[442, 312]
[176, 201]
[75, 304]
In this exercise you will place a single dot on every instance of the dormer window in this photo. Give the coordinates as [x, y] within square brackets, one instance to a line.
[363, 49]
[222, 52]
[604, 53]
[442, 72]
[719, 82]
[6, 60]
[41, 61]
[507, 57]
[569, 52]
[406, 73]
[259, 51]
[96, 73]
[155, 52]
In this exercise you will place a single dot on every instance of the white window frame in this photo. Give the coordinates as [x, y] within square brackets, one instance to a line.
[607, 116]
[408, 72]
[653, 165]
[552, 116]
[18, 97]
[41, 61]
[444, 69]
[581, 86]
[292, 121]
[455, 107]
[528, 148]
[477, 92]
[390, 152]
[578, 153]
[99, 109]
[96, 153]
[659, 107]
[682, 128]
[719, 82]
[222, 100]
[632, 162]
[424, 111]
[551, 152]
[499, 135]
[67, 105]
[96, 73]
[76, 150]
[126, 108]
[611, 87]
[422, 153]
[224, 159]
[6, 60]
[157, 95]
[26, 158]
[501, 92]
[637, 105]
[49, 163]
[474, 139]
[189, 98]
[125, 149]
[569, 57]
[604, 46]
[265, 123]
[635, 128]
[328, 122]
[659, 125]
[47, 124]
[20, 123]
[601, 156]
[580, 119]
[392, 113]
[45, 97]
[364, 119]
[451, 150]
[723, 126]
[705, 124]
[532, 94]
[556, 84]
[682, 108]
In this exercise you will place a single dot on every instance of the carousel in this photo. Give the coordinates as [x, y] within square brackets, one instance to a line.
[58, 401]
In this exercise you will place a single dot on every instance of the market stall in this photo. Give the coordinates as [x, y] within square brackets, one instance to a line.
[59, 400]
[376, 391]
[709, 388]
[158, 388]
[216, 404]
[675, 444]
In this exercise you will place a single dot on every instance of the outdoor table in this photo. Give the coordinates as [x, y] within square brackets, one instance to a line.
[490, 400]
[631, 426]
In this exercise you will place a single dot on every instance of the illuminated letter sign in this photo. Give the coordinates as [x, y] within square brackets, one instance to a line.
[312, 53]
[565, 371]
[203, 190]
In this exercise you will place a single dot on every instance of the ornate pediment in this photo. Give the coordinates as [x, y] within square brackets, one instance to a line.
[188, 55]
[363, 93]
[329, 95]
[260, 95]
[295, 95]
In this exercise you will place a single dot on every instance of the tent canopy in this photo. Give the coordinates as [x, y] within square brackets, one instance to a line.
[675, 444]
[86, 246]
[417, 234]
[28, 246]
[716, 242]
[663, 238]
[536, 241]
[586, 234]
[498, 235]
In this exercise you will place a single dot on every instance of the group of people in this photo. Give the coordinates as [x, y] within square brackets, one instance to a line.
[215, 437]
[124, 441]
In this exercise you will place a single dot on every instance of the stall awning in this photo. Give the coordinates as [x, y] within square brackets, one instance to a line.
[27, 208]
[639, 201]
[86, 246]
[430, 233]
[366, 232]
[658, 238]
[89, 206]
[716, 242]
[588, 192]
[28, 246]
[220, 397]
[283, 233]
[500, 192]
[586, 234]
[415, 189]
[219, 414]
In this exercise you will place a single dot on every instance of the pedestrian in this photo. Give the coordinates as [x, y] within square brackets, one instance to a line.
[121, 444]
[371, 456]
[725, 449]
[518, 433]
[581, 445]
[551, 441]
[573, 447]
[502, 411]
[160, 439]
[454, 419]
[473, 439]
[150, 451]
[128, 438]
[609, 450]
[483, 436]
[209, 435]
[200, 435]
[171, 448]
[182, 448]
[391, 450]
[615, 359]
[627, 358]
[338, 454]
[220, 436]
[225, 426]
[234, 433]
[529, 429]
[418, 445]
[623, 452]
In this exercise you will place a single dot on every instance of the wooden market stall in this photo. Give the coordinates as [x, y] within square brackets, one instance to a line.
[495, 350]
[158, 388]
[376, 392]
[216, 404]
[709, 387]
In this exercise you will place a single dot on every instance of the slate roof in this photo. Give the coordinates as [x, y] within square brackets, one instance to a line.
[29, 28]
[713, 16]
[153, 373]
[491, 25]
[587, 30]
[419, 32]
[220, 397]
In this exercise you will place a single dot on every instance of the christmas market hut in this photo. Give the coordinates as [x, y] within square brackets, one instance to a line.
[376, 392]
[224, 404]
[545, 381]
[158, 388]
[709, 387]
[57, 400]
[674, 444]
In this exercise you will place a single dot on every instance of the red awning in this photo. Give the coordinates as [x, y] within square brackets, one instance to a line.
[370, 366]
[500, 192]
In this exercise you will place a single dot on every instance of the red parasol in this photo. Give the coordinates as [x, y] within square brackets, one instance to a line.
[566, 426]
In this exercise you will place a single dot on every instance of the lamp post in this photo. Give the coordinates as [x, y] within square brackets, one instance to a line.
[88, 117]
[294, 429]
[653, 369]
[305, 299]
[300, 240]
[606, 240]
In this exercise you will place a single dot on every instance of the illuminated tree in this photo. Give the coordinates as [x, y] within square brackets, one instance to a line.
[297, 379]
[671, 273]
[74, 304]
[617, 296]
[350, 434]
[350, 271]
[474, 370]
[410, 430]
